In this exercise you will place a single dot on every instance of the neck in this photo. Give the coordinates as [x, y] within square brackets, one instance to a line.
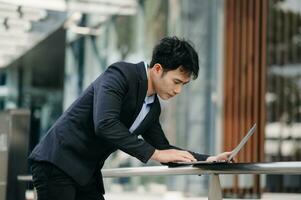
[150, 87]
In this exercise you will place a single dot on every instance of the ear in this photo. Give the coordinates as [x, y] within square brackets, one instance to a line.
[157, 68]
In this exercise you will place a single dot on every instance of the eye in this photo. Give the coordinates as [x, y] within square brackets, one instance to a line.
[177, 82]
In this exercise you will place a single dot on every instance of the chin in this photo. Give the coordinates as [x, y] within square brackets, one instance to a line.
[165, 97]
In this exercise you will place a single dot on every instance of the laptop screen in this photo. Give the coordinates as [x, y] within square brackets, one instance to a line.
[242, 142]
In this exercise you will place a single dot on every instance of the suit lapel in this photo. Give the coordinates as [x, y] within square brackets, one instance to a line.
[141, 89]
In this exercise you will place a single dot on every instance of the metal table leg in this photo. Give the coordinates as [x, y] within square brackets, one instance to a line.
[215, 190]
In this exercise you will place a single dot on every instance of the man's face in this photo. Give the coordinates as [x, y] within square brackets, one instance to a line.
[170, 83]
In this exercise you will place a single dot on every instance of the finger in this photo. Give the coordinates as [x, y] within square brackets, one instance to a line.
[183, 155]
[191, 159]
[182, 159]
[178, 157]
[212, 159]
[189, 155]
[225, 156]
[228, 153]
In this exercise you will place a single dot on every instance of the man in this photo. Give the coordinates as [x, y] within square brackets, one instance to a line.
[111, 113]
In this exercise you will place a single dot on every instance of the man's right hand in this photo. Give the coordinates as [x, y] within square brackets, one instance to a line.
[172, 155]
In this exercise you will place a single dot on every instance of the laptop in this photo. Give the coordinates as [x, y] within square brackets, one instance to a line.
[232, 155]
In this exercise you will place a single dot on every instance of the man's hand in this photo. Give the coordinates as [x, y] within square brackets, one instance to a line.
[172, 155]
[220, 157]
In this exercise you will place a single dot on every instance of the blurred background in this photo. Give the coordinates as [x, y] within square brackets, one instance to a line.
[250, 71]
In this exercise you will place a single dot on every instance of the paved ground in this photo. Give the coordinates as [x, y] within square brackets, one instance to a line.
[179, 196]
[176, 196]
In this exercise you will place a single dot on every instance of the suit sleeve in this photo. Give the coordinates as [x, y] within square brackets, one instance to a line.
[156, 137]
[109, 91]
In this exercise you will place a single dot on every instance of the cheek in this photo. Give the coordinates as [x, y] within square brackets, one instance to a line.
[160, 86]
[165, 85]
[167, 82]
[169, 85]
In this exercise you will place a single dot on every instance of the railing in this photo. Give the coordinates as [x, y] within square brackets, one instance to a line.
[213, 169]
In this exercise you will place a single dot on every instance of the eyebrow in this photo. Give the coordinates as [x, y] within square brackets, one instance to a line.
[182, 81]
[186, 82]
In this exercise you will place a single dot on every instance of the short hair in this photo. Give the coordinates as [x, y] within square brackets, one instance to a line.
[172, 53]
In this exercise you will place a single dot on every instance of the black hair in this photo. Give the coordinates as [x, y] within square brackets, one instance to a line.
[172, 52]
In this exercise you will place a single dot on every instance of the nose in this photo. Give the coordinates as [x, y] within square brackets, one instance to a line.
[178, 89]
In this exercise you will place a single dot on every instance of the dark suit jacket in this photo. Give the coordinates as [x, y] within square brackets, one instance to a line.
[98, 123]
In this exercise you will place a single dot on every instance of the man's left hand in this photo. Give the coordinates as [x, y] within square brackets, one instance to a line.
[220, 157]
